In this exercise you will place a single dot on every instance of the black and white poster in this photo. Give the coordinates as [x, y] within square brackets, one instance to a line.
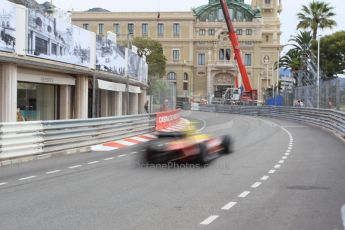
[55, 38]
[133, 65]
[110, 56]
[7, 26]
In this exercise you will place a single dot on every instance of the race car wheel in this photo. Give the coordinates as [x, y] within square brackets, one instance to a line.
[227, 144]
[203, 154]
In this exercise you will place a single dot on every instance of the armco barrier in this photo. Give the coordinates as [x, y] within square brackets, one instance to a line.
[325, 118]
[166, 119]
[35, 138]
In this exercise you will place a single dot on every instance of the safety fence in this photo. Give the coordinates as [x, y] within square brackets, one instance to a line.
[36, 138]
[325, 118]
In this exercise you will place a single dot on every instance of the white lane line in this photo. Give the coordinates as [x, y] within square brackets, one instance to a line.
[289, 148]
[287, 154]
[74, 166]
[109, 158]
[281, 162]
[133, 153]
[209, 220]
[277, 166]
[55, 171]
[284, 157]
[288, 151]
[229, 205]
[265, 177]
[244, 194]
[122, 155]
[3, 183]
[92, 162]
[272, 171]
[27, 178]
[256, 184]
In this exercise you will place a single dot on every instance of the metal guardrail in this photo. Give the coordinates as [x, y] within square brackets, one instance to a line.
[325, 118]
[35, 138]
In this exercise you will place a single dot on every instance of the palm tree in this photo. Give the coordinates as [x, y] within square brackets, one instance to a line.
[292, 60]
[316, 15]
[302, 42]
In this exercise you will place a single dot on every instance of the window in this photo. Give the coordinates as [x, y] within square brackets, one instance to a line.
[160, 29]
[249, 31]
[130, 28]
[267, 38]
[86, 26]
[171, 76]
[100, 28]
[176, 29]
[248, 59]
[185, 76]
[53, 49]
[144, 29]
[117, 28]
[268, 2]
[201, 59]
[221, 54]
[202, 32]
[211, 32]
[176, 55]
[228, 54]
[239, 31]
[41, 46]
[185, 86]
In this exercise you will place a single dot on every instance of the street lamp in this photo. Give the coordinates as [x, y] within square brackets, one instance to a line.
[318, 71]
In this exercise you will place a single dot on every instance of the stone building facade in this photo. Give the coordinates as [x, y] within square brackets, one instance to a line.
[200, 59]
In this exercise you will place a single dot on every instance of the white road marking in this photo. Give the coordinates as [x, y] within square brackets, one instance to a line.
[27, 178]
[287, 154]
[277, 166]
[108, 159]
[284, 157]
[133, 153]
[256, 184]
[272, 171]
[102, 148]
[139, 139]
[92, 162]
[126, 143]
[55, 171]
[265, 177]
[244, 194]
[289, 148]
[74, 166]
[122, 155]
[3, 183]
[281, 162]
[209, 220]
[229, 205]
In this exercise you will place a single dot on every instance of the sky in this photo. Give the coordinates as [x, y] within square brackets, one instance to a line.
[288, 17]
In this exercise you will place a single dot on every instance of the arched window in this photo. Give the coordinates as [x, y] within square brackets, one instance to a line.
[185, 76]
[171, 76]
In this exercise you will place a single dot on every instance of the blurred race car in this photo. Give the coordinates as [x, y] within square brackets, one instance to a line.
[186, 146]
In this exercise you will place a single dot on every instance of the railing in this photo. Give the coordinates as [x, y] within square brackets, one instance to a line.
[330, 119]
[35, 138]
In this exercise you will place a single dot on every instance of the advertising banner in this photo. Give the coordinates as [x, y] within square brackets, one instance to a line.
[7, 26]
[55, 38]
[167, 119]
[133, 65]
[110, 56]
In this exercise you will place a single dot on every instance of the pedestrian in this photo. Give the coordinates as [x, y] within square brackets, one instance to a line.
[146, 106]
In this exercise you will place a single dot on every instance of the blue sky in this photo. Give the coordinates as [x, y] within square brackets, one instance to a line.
[288, 16]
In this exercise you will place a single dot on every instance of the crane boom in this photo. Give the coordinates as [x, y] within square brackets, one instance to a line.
[236, 46]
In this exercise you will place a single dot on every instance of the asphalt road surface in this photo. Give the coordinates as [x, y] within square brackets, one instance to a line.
[282, 175]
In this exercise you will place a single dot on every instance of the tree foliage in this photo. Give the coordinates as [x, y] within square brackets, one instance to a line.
[316, 15]
[332, 54]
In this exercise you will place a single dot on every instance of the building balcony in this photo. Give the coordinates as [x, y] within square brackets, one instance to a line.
[225, 63]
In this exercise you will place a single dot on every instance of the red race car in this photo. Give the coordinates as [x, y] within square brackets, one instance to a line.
[186, 146]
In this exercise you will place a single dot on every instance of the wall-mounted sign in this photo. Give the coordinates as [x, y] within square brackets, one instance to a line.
[7, 26]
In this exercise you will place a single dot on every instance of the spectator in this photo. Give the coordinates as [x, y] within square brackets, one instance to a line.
[146, 106]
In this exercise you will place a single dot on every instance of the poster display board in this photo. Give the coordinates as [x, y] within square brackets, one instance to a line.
[7, 26]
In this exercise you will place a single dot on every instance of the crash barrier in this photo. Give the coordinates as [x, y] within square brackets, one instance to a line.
[166, 119]
[325, 118]
[41, 137]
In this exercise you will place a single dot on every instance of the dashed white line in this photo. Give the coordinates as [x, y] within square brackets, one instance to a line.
[287, 154]
[74, 166]
[122, 155]
[92, 162]
[288, 151]
[109, 158]
[281, 162]
[3, 183]
[244, 194]
[209, 220]
[284, 157]
[277, 166]
[265, 177]
[55, 171]
[272, 171]
[289, 148]
[229, 205]
[256, 184]
[27, 178]
[132, 153]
